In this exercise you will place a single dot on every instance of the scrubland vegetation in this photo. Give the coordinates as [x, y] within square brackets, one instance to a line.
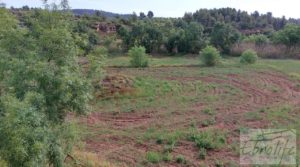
[156, 92]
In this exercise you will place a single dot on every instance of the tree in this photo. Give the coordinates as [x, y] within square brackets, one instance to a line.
[289, 36]
[224, 36]
[134, 17]
[259, 40]
[40, 83]
[143, 34]
[65, 4]
[194, 38]
[150, 15]
[188, 17]
[98, 13]
[26, 8]
[142, 15]
[123, 32]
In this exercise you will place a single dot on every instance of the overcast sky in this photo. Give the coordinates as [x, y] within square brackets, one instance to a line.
[175, 8]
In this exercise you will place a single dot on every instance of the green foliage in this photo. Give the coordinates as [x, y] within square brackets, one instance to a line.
[223, 36]
[8, 21]
[253, 116]
[259, 40]
[208, 122]
[248, 57]
[219, 163]
[159, 140]
[202, 153]
[3, 163]
[23, 133]
[96, 61]
[40, 83]
[145, 34]
[210, 56]
[153, 157]
[208, 111]
[150, 14]
[139, 58]
[188, 39]
[167, 157]
[237, 18]
[289, 36]
[209, 139]
[180, 159]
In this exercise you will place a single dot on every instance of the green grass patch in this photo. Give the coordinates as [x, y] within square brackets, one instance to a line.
[208, 122]
[252, 116]
[153, 157]
[181, 159]
[202, 153]
[208, 111]
[167, 157]
[124, 61]
[210, 139]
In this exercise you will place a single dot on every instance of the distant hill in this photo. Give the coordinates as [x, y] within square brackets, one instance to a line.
[108, 15]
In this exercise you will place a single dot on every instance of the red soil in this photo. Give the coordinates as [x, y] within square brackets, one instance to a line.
[229, 117]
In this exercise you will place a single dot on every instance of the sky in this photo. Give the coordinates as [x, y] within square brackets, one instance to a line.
[175, 8]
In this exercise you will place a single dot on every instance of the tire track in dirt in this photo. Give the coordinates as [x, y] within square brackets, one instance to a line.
[252, 98]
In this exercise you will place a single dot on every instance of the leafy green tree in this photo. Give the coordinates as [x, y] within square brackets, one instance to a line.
[8, 22]
[123, 32]
[190, 39]
[96, 59]
[174, 43]
[150, 15]
[194, 38]
[144, 34]
[289, 36]
[134, 17]
[224, 36]
[40, 83]
[142, 15]
[188, 17]
[259, 40]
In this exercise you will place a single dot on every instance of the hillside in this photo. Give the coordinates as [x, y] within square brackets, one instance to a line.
[108, 15]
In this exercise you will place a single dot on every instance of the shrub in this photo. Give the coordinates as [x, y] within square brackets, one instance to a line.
[210, 56]
[259, 40]
[248, 57]
[169, 148]
[219, 163]
[202, 153]
[159, 140]
[153, 157]
[180, 159]
[96, 61]
[209, 139]
[138, 56]
[208, 111]
[167, 157]
[208, 122]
